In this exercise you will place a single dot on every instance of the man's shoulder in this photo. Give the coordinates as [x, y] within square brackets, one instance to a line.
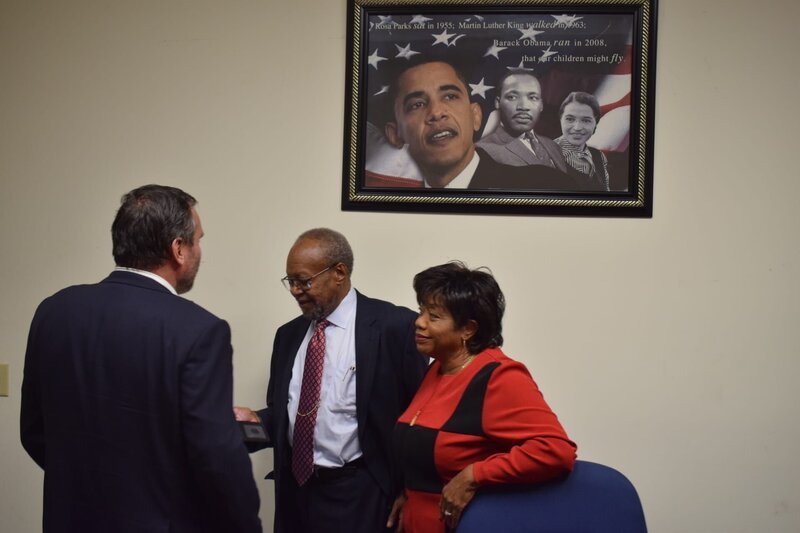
[124, 302]
[548, 141]
[490, 140]
[366, 307]
[494, 149]
[145, 291]
[66, 295]
[497, 139]
[382, 308]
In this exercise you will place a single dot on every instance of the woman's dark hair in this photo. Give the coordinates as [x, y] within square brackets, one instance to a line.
[581, 98]
[467, 295]
[147, 222]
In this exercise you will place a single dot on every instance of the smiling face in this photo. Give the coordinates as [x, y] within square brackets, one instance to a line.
[435, 117]
[519, 103]
[578, 123]
[436, 333]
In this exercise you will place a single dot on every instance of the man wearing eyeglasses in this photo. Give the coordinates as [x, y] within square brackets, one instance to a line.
[332, 436]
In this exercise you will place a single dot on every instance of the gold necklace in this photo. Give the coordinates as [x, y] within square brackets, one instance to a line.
[436, 388]
[460, 368]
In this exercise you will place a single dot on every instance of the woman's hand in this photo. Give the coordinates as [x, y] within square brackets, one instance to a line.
[396, 516]
[456, 495]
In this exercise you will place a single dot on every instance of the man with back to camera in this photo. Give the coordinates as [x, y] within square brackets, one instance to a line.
[515, 142]
[340, 375]
[434, 116]
[128, 389]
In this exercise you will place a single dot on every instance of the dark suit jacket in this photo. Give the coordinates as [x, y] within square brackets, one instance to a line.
[492, 175]
[388, 372]
[127, 406]
[509, 150]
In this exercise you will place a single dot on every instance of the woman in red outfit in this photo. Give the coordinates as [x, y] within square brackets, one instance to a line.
[478, 418]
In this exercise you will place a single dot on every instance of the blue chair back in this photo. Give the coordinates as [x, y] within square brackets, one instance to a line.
[594, 498]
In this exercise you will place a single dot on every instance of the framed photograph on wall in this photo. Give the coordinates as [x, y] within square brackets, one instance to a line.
[523, 107]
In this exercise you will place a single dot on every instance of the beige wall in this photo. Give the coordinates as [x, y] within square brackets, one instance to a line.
[668, 347]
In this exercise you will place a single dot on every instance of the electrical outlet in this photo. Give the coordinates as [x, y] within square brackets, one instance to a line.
[3, 379]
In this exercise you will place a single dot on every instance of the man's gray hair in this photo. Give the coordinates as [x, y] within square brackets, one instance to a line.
[334, 244]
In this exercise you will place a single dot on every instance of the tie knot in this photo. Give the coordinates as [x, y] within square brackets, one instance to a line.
[529, 135]
[322, 324]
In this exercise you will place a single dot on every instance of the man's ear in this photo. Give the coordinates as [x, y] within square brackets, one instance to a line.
[477, 116]
[392, 135]
[341, 271]
[497, 102]
[177, 252]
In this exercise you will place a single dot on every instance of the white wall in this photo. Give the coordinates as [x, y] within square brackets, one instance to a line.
[668, 347]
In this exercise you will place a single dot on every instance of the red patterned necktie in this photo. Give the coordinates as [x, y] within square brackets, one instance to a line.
[303, 445]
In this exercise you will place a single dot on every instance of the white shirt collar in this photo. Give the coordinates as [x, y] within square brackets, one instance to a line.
[464, 177]
[147, 274]
[340, 316]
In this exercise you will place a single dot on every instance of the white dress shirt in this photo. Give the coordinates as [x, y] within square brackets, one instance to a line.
[145, 273]
[336, 430]
[461, 181]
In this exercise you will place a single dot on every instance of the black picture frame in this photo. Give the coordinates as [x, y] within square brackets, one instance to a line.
[605, 48]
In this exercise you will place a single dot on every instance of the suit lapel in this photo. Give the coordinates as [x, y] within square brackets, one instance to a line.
[367, 340]
[555, 154]
[517, 148]
[288, 356]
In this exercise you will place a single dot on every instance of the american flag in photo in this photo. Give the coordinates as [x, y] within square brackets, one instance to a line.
[567, 52]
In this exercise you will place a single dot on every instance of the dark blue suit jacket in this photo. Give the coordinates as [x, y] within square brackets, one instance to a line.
[388, 371]
[127, 406]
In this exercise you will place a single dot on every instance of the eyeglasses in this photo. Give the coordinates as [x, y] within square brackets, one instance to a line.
[303, 284]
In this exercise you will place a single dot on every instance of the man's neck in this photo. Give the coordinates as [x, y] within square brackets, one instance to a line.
[153, 274]
[517, 134]
[339, 299]
[167, 273]
[442, 180]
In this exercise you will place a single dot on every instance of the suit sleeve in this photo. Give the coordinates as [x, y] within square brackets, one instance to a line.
[266, 414]
[516, 417]
[414, 365]
[213, 440]
[31, 419]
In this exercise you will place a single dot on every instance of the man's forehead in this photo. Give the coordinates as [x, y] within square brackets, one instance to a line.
[441, 75]
[306, 253]
[198, 225]
[525, 81]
